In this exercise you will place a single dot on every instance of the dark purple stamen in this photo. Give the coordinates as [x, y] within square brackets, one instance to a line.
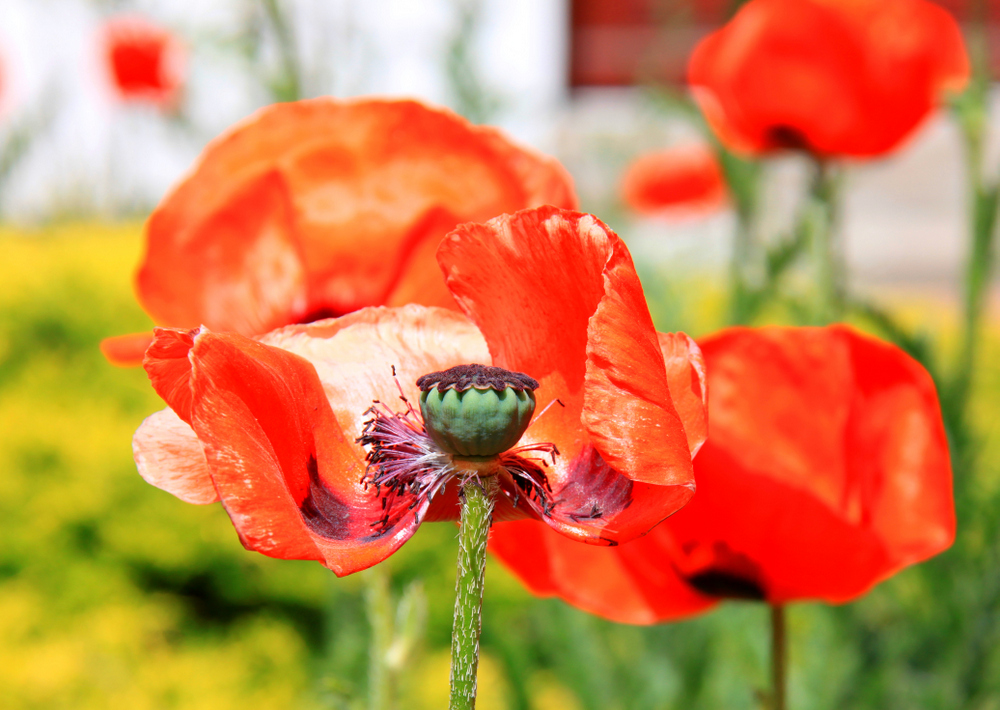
[407, 469]
[404, 465]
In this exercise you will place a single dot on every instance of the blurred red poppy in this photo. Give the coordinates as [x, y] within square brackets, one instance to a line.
[145, 62]
[826, 472]
[318, 208]
[833, 77]
[681, 180]
[270, 427]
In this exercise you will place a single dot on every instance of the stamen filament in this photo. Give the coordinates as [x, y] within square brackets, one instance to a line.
[547, 408]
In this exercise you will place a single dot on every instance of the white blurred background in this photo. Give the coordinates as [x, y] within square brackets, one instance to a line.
[89, 154]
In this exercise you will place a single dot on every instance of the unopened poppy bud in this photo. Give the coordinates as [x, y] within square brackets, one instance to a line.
[476, 410]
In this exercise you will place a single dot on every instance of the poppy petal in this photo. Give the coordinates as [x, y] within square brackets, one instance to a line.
[827, 466]
[688, 386]
[237, 269]
[784, 540]
[420, 276]
[675, 182]
[126, 350]
[556, 296]
[335, 201]
[284, 470]
[288, 477]
[628, 408]
[545, 180]
[827, 471]
[591, 578]
[169, 368]
[898, 417]
[375, 353]
[144, 62]
[169, 456]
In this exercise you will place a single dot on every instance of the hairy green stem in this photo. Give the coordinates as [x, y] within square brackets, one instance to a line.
[378, 600]
[478, 497]
[779, 657]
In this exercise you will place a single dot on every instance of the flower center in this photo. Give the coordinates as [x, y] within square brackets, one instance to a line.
[790, 137]
[472, 417]
[719, 571]
[476, 410]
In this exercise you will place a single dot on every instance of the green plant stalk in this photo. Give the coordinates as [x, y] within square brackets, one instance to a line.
[289, 86]
[972, 111]
[473, 98]
[740, 298]
[743, 180]
[779, 657]
[828, 259]
[378, 599]
[977, 280]
[478, 497]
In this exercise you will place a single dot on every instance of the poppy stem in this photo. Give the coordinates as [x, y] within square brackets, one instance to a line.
[288, 87]
[743, 179]
[478, 497]
[822, 214]
[972, 110]
[779, 657]
[378, 601]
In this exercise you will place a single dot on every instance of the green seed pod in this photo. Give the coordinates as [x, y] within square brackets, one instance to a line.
[476, 410]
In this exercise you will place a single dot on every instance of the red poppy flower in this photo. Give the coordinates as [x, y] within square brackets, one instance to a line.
[826, 472]
[680, 180]
[271, 427]
[145, 62]
[318, 208]
[834, 77]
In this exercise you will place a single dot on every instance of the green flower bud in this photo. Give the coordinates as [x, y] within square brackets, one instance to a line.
[476, 410]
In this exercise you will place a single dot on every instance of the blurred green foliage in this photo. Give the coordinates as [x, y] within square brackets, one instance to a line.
[114, 594]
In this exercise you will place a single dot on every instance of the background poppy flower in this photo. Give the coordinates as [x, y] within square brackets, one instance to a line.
[318, 208]
[679, 180]
[834, 77]
[145, 61]
[826, 472]
[270, 427]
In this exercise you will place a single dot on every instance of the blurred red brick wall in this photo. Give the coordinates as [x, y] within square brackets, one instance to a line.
[622, 42]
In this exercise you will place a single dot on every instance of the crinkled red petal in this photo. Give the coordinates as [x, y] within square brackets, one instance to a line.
[321, 207]
[688, 385]
[594, 579]
[826, 472]
[278, 430]
[827, 465]
[239, 268]
[556, 296]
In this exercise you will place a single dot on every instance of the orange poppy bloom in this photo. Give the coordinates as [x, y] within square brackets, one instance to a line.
[145, 62]
[826, 471]
[318, 208]
[834, 77]
[271, 427]
[680, 180]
